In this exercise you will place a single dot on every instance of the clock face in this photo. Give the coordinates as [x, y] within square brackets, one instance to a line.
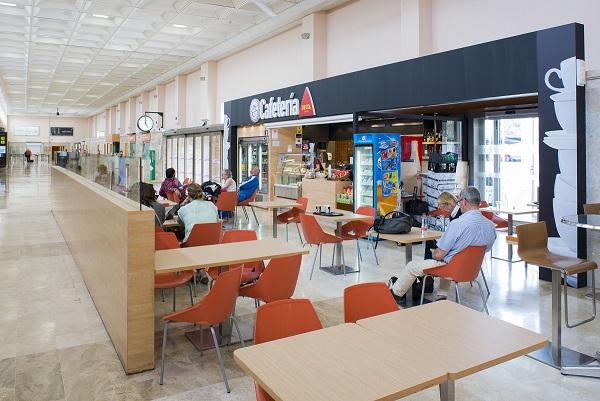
[145, 123]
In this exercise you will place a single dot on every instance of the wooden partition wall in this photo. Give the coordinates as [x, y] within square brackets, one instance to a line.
[112, 242]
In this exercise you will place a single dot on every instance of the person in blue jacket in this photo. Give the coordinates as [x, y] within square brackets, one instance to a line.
[248, 187]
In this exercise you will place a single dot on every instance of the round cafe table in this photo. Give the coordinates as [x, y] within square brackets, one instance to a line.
[590, 222]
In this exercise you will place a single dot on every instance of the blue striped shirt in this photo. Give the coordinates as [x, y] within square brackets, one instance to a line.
[472, 228]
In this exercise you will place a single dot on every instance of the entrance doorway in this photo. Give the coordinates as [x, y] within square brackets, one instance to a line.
[506, 158]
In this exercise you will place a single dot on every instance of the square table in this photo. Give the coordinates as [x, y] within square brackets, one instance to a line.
[275, 205]
[379, 358]
[408, 239]
[339, 267]
[510, 231]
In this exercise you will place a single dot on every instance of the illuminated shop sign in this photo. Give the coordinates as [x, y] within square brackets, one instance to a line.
[278, 107]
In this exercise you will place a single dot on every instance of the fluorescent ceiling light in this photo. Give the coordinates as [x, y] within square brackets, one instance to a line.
[403, 124]
[99, 15]
[7, 4]
[179, 26]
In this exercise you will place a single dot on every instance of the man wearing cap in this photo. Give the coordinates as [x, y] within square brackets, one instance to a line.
[471, 229]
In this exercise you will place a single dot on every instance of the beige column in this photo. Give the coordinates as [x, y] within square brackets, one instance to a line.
[112, 127]
[160, 105]
[415, 28]
[180, 95]
[208, 92]
[122, 118]
[314, 46]
[132, 120]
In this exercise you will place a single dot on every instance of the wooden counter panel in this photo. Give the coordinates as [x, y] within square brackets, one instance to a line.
[322, 192]
[112, 243]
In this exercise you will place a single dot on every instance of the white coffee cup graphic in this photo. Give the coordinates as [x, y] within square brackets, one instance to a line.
[566, 114]
[567, 74]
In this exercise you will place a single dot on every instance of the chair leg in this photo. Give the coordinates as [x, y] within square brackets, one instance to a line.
[343, 258]
[333, 254]
[237, 329]
[245, 212]
[565, 286]
[424, 279]
[487, 288]
[173, 299]
[314, 261]
[254, 213]
[162, 360]
[299, 234]
[201, 341]
[162, 294]
[191, 292]
[456, 291]
[221, 366]
[195, 283]
[287, 235]
[483, 297]
[374, 251]
[358, 250]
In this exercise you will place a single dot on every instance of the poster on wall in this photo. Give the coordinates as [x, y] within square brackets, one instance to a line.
[27, 131]
[61, 131]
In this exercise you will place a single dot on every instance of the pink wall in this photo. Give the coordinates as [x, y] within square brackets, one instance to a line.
[194, 100]
[80, 128]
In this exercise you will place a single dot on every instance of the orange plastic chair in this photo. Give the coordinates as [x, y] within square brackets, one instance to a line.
[367, 299]
[493, 217]
[463, 268]
[314, 235]
[250, 270]
[162, 281]
[226, 202]
[293, 216]
[280, 319]
[203, 234]
[355, 230]
[246, 202]
[215, 308]
[278, 280]
[173, 197]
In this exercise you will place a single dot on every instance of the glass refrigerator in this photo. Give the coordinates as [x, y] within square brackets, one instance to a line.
[377, 171]
[254, 152]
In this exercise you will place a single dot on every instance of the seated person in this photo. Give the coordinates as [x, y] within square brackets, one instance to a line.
[102, 175]
[148, 198]
[228, 184]
[197, 210]
[447, 207]
[248, 187]
[171, 184]
[472, 228]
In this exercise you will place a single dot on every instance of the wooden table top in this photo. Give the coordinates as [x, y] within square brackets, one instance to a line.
[460, 340]
[510, 211]
[346, 216]
[275, 204]
[174, 222]
[413, 236]
[345, 363]
[200, 257]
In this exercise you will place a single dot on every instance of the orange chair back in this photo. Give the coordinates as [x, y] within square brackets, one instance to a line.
[172, 196]
[280, 319]
[240, 236]
[303, 204]
[226, 202]
[252, 197]
[487, 215]
[204, 234]
[217, 305]
[165, 240]
[360, 227]
[464, 266]
[366, 300]
[186, 181]
[278, 280]
[313, 233]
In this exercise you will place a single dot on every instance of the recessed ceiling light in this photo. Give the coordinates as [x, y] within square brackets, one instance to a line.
[7, 4]
[179, 26]
[99, 15]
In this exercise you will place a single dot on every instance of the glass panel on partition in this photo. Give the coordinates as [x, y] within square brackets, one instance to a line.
[180, 159]
[205, 158]
[198, 159]
[215, 157]
[189, 157]
[506, 162]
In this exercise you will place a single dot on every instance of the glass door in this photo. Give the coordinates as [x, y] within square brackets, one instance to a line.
[215, 157]
[205, 158]
[263, 164]
[243, 167]
[506, 162]
[180, 159]
[363, 176]
[197, 159]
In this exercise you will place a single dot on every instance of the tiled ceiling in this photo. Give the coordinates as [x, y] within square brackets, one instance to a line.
[79, 55]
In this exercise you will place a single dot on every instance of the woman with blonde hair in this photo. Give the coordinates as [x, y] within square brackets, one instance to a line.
[228, 184]
[197, 210]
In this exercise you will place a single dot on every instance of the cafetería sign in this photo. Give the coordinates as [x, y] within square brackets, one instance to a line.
[262, 109]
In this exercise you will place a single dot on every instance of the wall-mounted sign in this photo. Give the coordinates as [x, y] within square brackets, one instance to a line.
[61, 131]
[27, 131]
[263, 109]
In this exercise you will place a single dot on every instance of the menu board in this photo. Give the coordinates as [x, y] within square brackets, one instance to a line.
[27, 131]
[61, 131]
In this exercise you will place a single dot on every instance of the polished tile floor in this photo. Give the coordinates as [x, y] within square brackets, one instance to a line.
[53, 345]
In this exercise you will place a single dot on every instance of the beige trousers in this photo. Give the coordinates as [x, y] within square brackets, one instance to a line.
[414, 270]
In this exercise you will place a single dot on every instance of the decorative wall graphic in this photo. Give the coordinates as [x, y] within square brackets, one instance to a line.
[565, 142]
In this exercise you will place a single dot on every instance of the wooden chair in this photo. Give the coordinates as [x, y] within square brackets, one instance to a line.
[533, 249]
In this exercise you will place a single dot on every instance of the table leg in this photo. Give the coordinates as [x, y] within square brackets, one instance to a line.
[339, 267]
[274, 222]
[447, 391]
[555, 354]
[407, 260]
[510, 232]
